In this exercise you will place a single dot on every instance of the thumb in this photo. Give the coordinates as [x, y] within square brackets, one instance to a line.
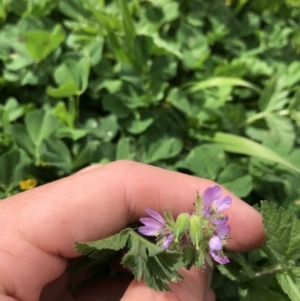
[194, 287]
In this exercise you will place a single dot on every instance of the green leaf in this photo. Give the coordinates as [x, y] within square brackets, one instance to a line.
[236, 180]
[273, 97]
[94, 249]
[22, 138]
[163, 147]
[222, 81]
[85, 154]
[54, 152]
[283, 231]
[72, 78]
[252, 291]
[40, 124]
[205, 161]
[290, 283]
[125, 149]
[41, 43]
[127, 22]
[241, 145]
[114, 105]
[138, 123]
[157, 266]
[8, 163]
[65, 90]
[281, 129]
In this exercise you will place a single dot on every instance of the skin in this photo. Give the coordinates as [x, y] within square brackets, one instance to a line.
[38, 229]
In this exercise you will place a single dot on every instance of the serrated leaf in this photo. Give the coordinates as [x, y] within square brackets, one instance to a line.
[156, 265]
[94, 249]
[283, 232]
[290, 283]
[272, 97]
[281, 129]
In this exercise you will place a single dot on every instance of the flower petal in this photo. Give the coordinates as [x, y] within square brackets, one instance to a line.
[148, 231]
[220, 220]
[210, 195]
[222, 230]
[156, 216]
[167, 241]
[223, 203]
[219, 257]
[151, 223]
[215, 243]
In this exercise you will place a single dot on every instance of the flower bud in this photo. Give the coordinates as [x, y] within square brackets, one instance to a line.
[195, 230]
[182, 223]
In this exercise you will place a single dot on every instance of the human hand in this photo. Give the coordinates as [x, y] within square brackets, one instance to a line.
[38, 229]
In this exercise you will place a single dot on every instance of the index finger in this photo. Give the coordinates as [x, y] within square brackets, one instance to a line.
[98, 203]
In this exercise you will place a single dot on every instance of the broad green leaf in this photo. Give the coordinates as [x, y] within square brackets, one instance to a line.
[85, 154]
[138, 124]
[41, 43]
[205, 161]
[179, 100]
[114, 105]
[74, 134]
[40, 124]
[8, 163]
[164, 147]
[22, 138]
[222, 81]
[283, 232]
[290, 283]
[65, 90]
[54, 152]
[236, 180]
[272, 97]
[106, 129]
[125, 149]
[72, 78]
[244, 146]
[281, 129]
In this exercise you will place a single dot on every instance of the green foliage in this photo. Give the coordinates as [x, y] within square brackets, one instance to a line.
[209, 88]
[157, 266]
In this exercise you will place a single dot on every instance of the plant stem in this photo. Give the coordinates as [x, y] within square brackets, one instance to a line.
[265, 114]
[270, 270]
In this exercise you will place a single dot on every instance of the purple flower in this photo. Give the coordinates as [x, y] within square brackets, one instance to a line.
[218, 256]
[222, 231]
[213, 203]
[217, 242]
[156, 226]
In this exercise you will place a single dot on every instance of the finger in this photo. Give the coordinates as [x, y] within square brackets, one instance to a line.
[99, 202]
[39, 226]
[194, 287]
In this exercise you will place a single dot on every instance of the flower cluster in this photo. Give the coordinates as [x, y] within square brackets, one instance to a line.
[205, 230]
